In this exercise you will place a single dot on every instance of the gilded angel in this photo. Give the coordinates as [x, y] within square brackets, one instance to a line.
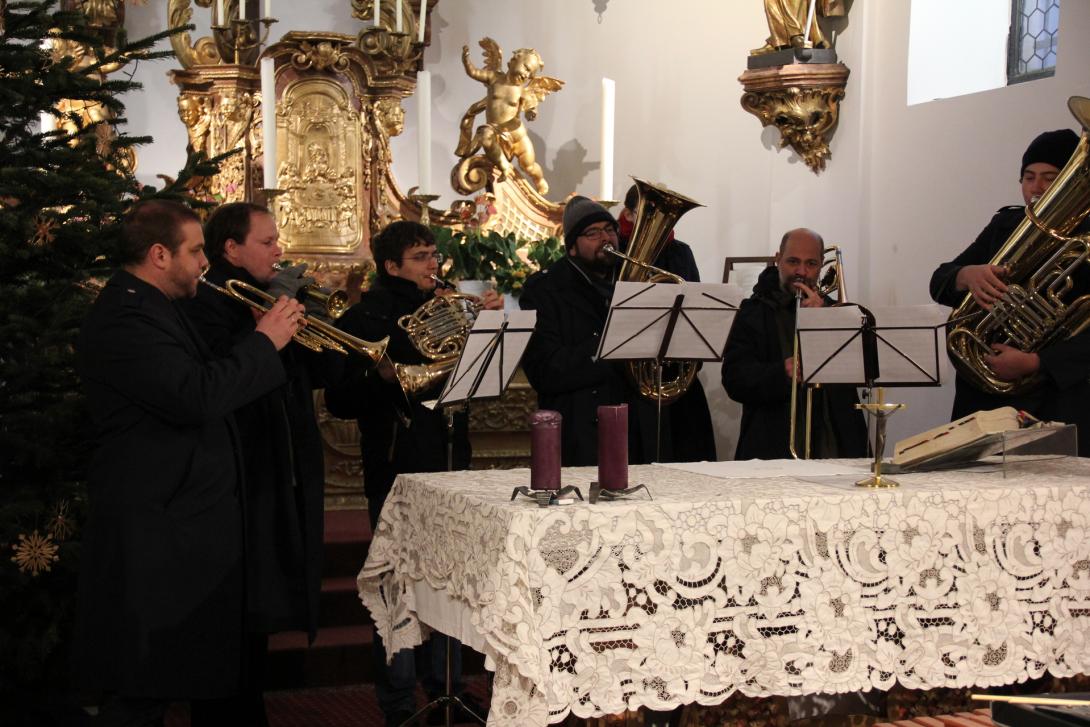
[511, 94]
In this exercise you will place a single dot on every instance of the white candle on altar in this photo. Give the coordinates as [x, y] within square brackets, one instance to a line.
[609, 88]
[220, 18]
[241, 9]
[397, 14]
[423, 20]
[268, 8]
[378, 7]
[423, 107]
[268, 120]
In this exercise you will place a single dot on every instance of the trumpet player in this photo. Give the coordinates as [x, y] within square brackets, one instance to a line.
[1065, 365]
[281, 446]
[397, 436]
[161, 588]
[759, 368]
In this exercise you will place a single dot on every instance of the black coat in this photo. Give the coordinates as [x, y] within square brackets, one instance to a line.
[396, 435]
[571, 313]
[161, 583]
[1065, 394]
[284, 468]
[753, 375]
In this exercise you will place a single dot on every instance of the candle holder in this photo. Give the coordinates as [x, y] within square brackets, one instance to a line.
[597, 492]
[608, 203]
[423, 200]
[881, 412]
[241, 35]
[389, 47]
[271, 196]
[544, 498]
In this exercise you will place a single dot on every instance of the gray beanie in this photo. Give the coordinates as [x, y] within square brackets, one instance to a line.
[580, 213]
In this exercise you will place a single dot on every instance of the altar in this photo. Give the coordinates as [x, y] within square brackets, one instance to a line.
[764, 578]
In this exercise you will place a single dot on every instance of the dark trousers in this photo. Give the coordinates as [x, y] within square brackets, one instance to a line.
[119, 711]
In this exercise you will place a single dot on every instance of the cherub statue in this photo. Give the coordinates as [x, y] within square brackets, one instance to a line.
[511, 93]
[193, 111]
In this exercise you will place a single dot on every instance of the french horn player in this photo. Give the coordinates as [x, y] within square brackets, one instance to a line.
[1015, 335]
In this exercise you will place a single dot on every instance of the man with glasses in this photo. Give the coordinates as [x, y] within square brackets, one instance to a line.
[572, 299]
[399, 434]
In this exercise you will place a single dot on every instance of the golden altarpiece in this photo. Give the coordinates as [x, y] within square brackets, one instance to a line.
[338, 103]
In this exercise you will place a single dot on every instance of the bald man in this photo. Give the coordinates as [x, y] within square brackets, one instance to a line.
[758, 364]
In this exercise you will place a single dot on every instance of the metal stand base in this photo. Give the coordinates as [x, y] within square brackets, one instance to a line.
[545, 498]
[877, 481]
[597, 492]
[447, 701]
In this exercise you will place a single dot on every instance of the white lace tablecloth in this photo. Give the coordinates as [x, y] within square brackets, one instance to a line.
[767, 586]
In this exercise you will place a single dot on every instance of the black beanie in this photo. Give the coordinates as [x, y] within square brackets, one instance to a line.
[580, 213]
[1051, 147]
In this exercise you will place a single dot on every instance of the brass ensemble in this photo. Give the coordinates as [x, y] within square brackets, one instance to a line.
[829, 282]
[317, 335]
[1039, 259]
[657, 211]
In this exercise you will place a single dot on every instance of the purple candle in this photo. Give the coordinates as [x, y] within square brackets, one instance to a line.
[545, 450]
[613, 447]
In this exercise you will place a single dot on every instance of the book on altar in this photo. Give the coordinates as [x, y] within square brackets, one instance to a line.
[962, 434]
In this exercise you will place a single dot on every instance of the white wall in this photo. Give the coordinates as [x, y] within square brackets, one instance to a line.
[905, 189]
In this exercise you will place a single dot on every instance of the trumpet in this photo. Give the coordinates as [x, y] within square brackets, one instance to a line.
[333, 303]
[317, 335]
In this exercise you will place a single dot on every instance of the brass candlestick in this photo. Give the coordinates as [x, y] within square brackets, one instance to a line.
[243, 38]
[881, 412]
[423, 200]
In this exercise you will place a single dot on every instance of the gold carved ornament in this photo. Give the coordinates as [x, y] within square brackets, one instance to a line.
[202, 53]
[802, 101]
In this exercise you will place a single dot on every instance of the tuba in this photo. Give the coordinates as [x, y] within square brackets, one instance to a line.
[1039, 259]
[656, 214]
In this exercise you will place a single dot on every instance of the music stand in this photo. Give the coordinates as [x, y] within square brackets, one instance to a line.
[849, 346]
[662, 322]
[484, 369]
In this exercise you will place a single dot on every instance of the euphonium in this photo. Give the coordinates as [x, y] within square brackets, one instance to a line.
[1039, 260]
[657, 211]
[317, 335]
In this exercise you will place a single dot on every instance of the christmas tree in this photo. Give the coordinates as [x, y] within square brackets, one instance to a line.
[62, 194]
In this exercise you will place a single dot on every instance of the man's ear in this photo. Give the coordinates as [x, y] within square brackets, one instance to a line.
[391, 268]
[230, 250]
[159, 256]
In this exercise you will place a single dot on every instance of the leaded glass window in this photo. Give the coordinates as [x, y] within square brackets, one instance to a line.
[1035, 32]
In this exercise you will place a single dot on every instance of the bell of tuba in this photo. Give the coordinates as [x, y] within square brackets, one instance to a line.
[657, 211]
[1039, 259]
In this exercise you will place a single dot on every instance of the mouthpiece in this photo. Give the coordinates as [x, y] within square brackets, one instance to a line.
[440, 283]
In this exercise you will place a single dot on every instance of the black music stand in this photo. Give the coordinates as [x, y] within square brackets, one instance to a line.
[485, 368]
[662, 322]
[849, 346]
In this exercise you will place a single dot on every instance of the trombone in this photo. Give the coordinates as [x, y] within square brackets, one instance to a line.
[831, 282]
[317, 335]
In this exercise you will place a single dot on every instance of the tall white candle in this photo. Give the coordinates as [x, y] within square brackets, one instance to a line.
[423, 106]
[378, 12]
[423, 20]
[220, 18]
[268, 121]
[397, 13]
[241, 9]
[609, 89]
[268, 8]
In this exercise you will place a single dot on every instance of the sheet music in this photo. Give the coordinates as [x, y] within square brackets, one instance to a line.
[830, 345]
[640, 314]
[500, 366]
[914, 355]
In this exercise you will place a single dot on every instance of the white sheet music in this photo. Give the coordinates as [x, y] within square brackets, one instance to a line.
[504, 360]
[830, 345]
[640, 314]
[912, 356]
